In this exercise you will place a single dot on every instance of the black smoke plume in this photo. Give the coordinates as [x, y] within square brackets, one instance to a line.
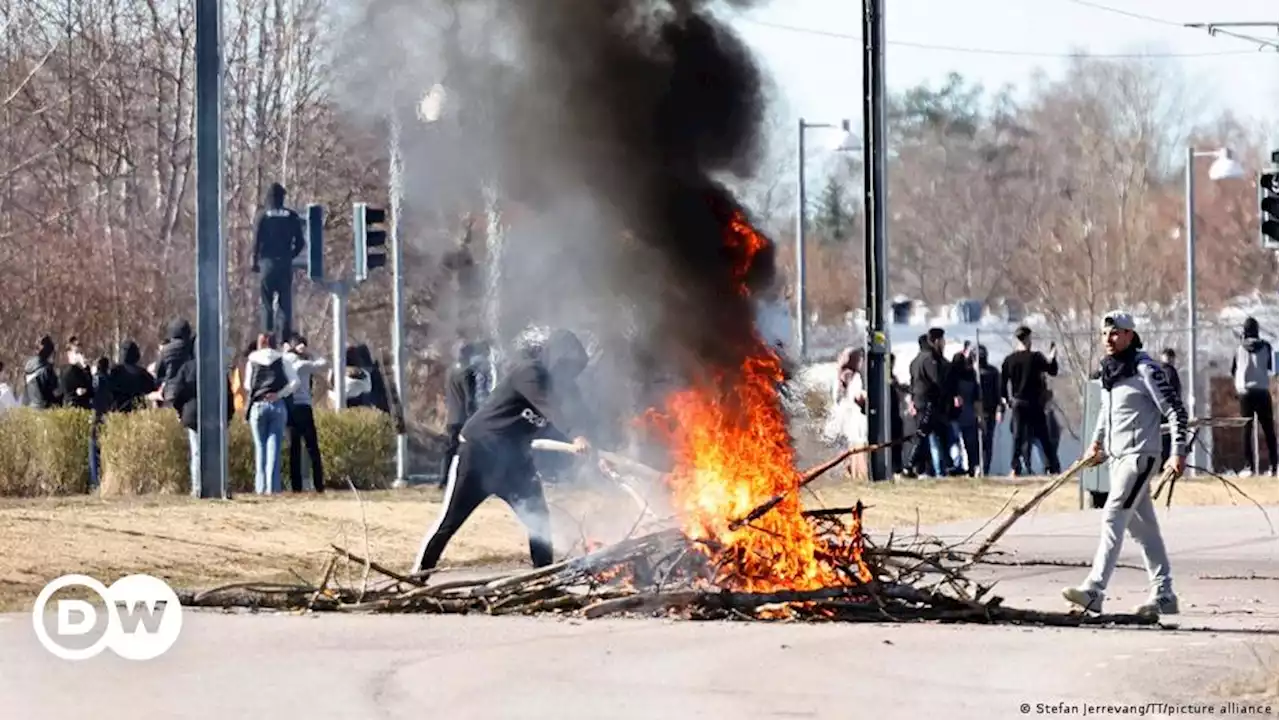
[609, 126]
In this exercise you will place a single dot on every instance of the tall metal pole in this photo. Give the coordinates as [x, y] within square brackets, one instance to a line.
[876, 234]
[338, 292]
[211, 265]
[801, 215]
[397, 296]
[1193, 385]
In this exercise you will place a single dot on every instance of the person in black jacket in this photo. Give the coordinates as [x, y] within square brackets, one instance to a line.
[460, 395]
[76, 382]
[182, 390]
[929, 396]
[1022, 382]
[130, 382]
[494, 457]
[278, 240]
[178, 348]
[42, 387]
[990, 406]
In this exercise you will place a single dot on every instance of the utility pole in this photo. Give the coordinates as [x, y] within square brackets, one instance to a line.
[875, 234]
[211, 263]
[396, 176]
[338, 290]
[802, 212]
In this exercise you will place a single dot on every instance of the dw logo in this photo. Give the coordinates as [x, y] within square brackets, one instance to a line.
[143, 618]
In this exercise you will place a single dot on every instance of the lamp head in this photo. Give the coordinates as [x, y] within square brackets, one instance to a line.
[1225, 167]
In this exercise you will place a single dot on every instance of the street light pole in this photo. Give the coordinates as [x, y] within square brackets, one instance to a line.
[1223, 168]
[875, 229]
[801, 216]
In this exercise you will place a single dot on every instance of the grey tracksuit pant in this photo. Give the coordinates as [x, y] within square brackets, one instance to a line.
[1129, 506]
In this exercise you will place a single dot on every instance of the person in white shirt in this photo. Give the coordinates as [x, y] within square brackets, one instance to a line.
[302, 420]
[8, 400]
[269, 379]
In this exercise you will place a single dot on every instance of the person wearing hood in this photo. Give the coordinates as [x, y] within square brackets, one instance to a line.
[1251, 370]
[461, 393]
[182, 390]
[1136, 403]
[536, 397]
[130, 382]
[41, 380]
[76, 381]
[177, 349]
[270, 379]
[278, 240]
[991, 405]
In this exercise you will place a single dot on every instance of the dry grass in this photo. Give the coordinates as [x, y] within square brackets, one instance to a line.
[194, 543]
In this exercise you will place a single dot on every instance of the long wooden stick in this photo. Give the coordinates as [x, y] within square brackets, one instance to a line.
[1026, 507]
[809, 476]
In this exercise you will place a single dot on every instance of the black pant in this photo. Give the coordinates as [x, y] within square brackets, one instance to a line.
[277, 288]
[988, 429]
[302, 429]
[482, 470]
[1030, 423]
[450, 449]
[1257, 404]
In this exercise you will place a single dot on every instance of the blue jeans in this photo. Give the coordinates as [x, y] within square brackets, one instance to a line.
[94, 463]
[193, 439]
[267, 421]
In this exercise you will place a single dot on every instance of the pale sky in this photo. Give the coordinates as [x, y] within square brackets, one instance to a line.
[1003, 41]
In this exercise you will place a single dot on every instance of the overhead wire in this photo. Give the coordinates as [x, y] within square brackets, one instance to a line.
[990, 51]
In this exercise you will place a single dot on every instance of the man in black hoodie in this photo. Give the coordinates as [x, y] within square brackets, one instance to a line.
[278, 240]
[933, 400]
[42, 391]
[76, 382]
[130, 382]
[1251, 372]
[1022, 382]
[181, 390]
[991, 405]
[494, 455]
[178, 348]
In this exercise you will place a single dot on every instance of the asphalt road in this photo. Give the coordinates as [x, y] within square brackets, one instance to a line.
[356, 667]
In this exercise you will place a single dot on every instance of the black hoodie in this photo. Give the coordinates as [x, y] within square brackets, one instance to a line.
[279, 237]
[929, 378]
[77, 377]
[539, 396]
[131, 383]
[174, 353]
[42, 391]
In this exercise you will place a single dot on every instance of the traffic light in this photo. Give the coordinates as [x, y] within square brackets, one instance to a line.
[315, 242]
[1269, 209]
[371, 239]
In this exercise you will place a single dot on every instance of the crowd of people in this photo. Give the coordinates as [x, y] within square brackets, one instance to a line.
[951, 406]
[270, 385]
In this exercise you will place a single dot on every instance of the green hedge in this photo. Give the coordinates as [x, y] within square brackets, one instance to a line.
[46, 452]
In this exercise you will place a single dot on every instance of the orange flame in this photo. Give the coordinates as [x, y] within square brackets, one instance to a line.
[732, 452]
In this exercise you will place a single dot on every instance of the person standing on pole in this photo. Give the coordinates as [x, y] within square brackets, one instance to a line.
[1137, 400]
[278, 240]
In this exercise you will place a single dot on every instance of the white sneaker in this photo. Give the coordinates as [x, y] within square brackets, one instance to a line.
[1087, 600]
[1160, 604]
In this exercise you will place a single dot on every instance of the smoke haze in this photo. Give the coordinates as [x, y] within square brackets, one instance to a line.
[604, 127]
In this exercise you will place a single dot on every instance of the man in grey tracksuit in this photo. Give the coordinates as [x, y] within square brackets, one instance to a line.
[1137, 400]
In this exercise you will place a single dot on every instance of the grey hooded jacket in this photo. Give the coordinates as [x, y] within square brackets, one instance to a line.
[1134, 410]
